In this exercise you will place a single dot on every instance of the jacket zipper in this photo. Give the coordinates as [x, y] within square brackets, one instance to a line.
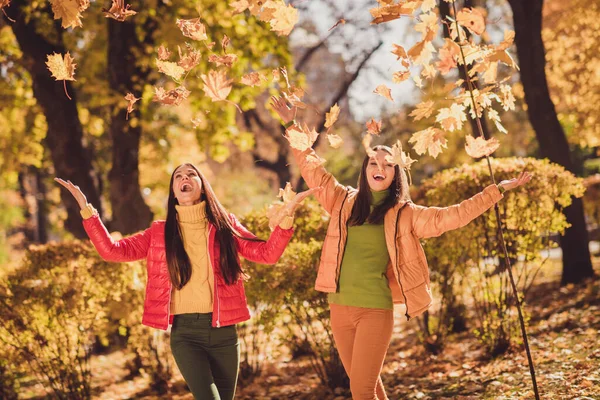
[218, 323]
[339, 263]
[397, 268]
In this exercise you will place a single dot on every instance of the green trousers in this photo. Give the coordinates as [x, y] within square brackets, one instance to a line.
[207, 357]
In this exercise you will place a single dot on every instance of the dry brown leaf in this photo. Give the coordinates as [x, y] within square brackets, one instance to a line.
[400, 54]
[422, 110]
[384, 91]
[216, 85]
[188, 60]
[332, 116]
[172, 97]
[335, 141]
[163, 53]
[131, 101]
[480, 147]
[118, 11]
[70, 11]
[170, 69]
[192, 28]
[373, 127]
[400, 76]
[472, 19]
[430, 140]
[227, 59]
[509, 38]
[251, 79]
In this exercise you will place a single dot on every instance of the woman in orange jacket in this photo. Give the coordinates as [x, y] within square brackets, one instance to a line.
[372, 257]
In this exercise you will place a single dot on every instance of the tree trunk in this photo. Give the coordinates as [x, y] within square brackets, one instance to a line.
[553, 143]
[129, 211]
[64, 137]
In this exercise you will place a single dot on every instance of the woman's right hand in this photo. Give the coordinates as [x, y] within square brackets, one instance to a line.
[75, 191]
[280, 106]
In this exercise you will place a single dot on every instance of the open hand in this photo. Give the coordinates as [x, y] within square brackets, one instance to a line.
[280, 106]
[291, 207]
[516, 182]
[75, 191]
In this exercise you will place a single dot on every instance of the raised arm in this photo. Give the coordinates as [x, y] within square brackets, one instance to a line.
[433, 221]
[312, 170]
[131, 248]
[267, 252]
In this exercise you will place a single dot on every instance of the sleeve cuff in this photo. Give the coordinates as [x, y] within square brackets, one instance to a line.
[88, 211]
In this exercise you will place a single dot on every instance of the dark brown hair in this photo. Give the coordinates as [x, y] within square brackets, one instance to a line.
[180, 268]
[397, 192]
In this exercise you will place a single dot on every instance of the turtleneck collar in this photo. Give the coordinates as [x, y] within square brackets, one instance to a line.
[194, 213]
[378, 197]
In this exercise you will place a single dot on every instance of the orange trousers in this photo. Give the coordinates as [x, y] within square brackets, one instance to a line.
[362, 337]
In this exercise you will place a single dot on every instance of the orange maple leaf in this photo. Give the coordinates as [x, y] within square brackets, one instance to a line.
[422, 110]
[400, 76]
[131, 101]
[192, 28]
[251, 79]
[216, 85]
[171, 97]
[384, 91]
[479, 147]
[70, 11]
[301, 138]
[163, 53]
[374, 127]
[118, 11]
[227, 59]
[472, 19]
[400, 54]
[332, 115]
[430, 140]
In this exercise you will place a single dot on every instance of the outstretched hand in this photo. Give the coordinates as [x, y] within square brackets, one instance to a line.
[513, 183]
[278, 212]
[280, 106]
[74, 190]
[291, 207]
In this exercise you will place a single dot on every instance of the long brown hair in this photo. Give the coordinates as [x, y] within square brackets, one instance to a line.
[180, 267]
[397, 192]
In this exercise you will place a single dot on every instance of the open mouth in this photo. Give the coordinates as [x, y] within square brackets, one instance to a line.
[186, 187]
[379, 177]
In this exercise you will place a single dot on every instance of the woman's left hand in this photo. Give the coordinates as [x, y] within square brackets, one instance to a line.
[513, 183]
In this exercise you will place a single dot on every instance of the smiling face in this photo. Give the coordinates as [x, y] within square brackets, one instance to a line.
[379, 172]
[187, 185]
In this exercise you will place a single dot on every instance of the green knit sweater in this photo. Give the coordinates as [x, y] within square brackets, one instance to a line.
[363, 282]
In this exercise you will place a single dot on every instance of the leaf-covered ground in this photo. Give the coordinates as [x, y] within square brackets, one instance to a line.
[564, 330]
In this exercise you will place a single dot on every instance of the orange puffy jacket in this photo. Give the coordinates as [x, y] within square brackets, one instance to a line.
[404, 225]
[229, 302]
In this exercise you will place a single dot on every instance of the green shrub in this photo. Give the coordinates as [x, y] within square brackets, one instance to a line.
[471, 257]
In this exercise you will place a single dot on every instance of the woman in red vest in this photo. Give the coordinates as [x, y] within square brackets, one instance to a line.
[195, 279]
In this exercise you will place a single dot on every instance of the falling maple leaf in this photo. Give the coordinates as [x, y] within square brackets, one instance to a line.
[508, 99]
[472, 19]
[62, 68]
[341, 21]
[171, 97]
[418, 81]
[451, 118]
[131, 99]
[284, 18]
[422, 52]
[384, 91]
[301, 138]
[278, 210]
[239, 6]
[163, 53]
[170, 69]
[400, 76]
[225, 42]
[332, 115]
[251, 79]
[422, 110]
[192, 28]
[70, 11]
[399, 157]
[335, 141]
[480, 147]
[373, 127]
[118, 11]
[428, 5]
[227, 59]
[390, 12]
[427, 25]
[400, 54]
[493, 116]
[190, 59]
[509, 38]
[430, 140]
[216, 85]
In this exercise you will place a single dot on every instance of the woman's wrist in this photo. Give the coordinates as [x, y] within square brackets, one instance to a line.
[289, 123]
[88, 211]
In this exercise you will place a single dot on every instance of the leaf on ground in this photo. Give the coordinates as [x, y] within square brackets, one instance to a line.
[384, 91]
[251, 79]
[472, 19]
[451, 118]
[118, 11]
[422, 110]
[190, 59]
[163, 53]
[131, 101]
[192, 28]
[400, 76]
[69, 11]
[399, 157]
[170, 69]
[373, 127]
[227, 59]
[172, 97]
[301, 138]
[332, 116]
[335, 141]
[61, 68]
[216, 85]
[430, 140]
[480, 147]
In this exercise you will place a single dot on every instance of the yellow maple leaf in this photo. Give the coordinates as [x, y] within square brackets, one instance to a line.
[192, 28]
[427, 25]
[170, 69]
[332, 115]
[216, 85]
[239, 6]
[428, 5]
[493, 115]
[472, 19]
[430, 140]
[373, 127]
[284, 19]
[278, 210]
[335, 141]
[451, 118]
[62, 68]
[171, 97]
[480, 147]
[422, 52]
[390, 12]
[301, 138]
[384, 91]
[251, 79]
[70, 11]
[422, 110]
[399, 157]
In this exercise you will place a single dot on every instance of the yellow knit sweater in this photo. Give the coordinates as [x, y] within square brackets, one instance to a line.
[197, 295]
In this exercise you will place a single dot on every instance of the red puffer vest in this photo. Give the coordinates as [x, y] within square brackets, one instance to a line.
[229, 302]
